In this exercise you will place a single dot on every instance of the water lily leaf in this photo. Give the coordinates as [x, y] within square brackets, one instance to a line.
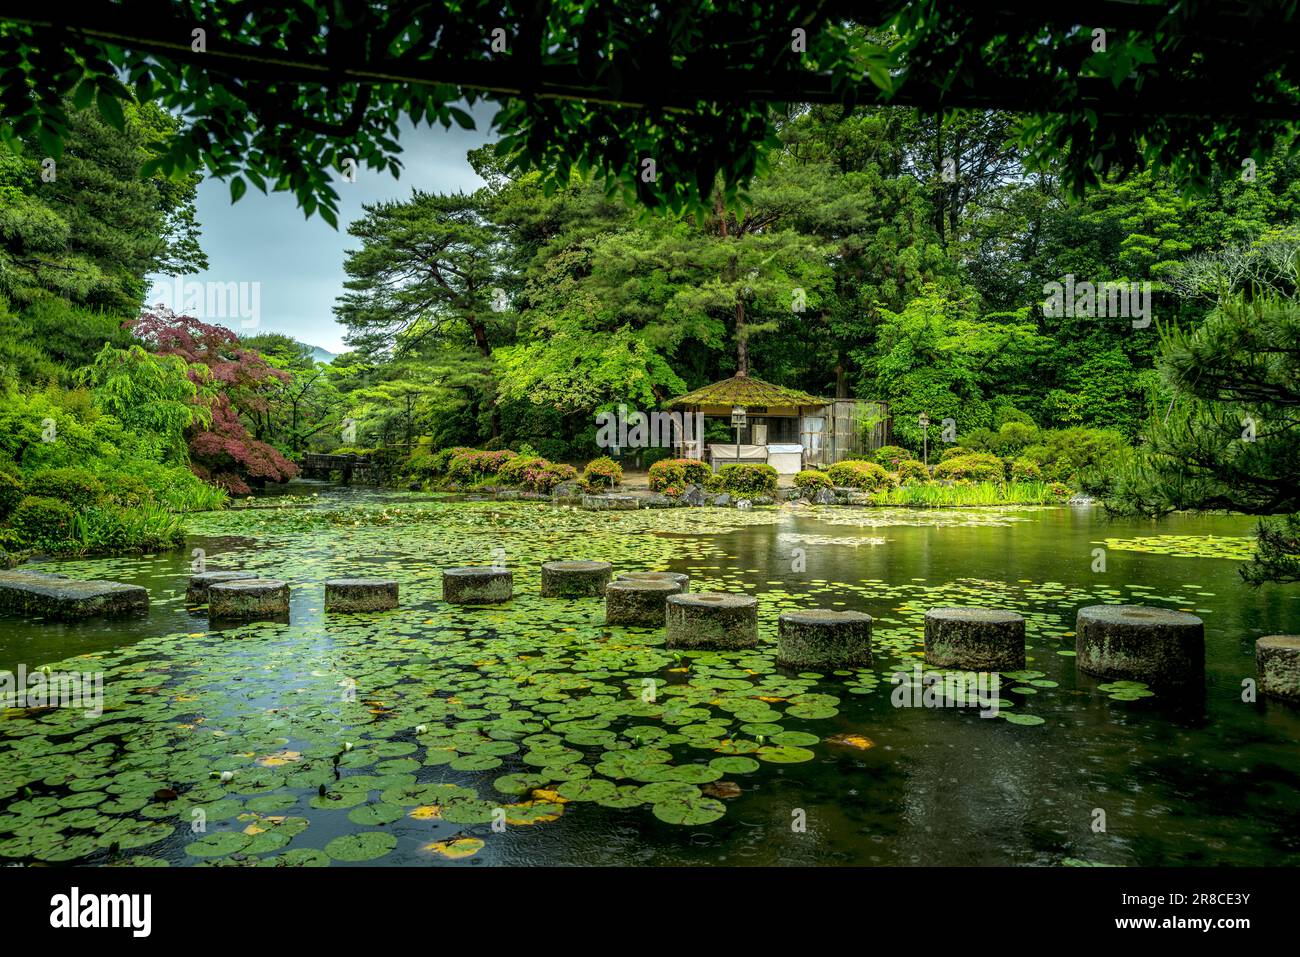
[363, 846]
[690, 811]
[218, 844]
[456, 849]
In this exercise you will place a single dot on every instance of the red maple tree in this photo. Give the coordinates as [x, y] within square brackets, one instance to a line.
[231, 380]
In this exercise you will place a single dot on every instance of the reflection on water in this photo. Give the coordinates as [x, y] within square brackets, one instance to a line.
[1205, 779]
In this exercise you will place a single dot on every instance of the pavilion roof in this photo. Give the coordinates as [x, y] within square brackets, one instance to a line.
[745, 390]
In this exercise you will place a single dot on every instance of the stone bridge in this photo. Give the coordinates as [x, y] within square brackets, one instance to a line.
[350, 468]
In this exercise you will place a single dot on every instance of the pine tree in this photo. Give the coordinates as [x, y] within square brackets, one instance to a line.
[1230, 438]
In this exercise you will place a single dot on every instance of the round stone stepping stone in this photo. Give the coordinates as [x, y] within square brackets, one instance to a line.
[575, 579]
[1140, 643]
[65, 599]
[822, 638]
[480, 585]
[248, 599]
[677, 577]
[1277, 659]
[634, 601]
[974, 639]
[360, 594]
[197, 592]
[711, 620]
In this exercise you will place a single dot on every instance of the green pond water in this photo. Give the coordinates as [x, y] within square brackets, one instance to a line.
[529, 733]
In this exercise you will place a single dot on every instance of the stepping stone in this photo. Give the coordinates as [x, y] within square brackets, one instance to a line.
[479, 585]
[709, 620]
[66, 599]
[1140, 643]
[635, 601]
[676, 577]
[249, 599]
[575, 579]
[567, 493]
[600, 503]
[822, 638]
[197, 592]
[975, 639]
[360, 594]
[1277, 659]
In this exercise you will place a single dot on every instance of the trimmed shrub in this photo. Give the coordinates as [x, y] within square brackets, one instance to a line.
[474, 466]
[126, 490]
[890, 455]
[810, 480]
[953, 452]
[974, 467]
[512, 472]
[437, 463]
[11, 492]
[76, 486]
[854, 473]
[752, 478]
[1026, 470]
[1009, 439]
[679, 472]
[910, 470]
[42, 522]
[603, 472]
[544, 476]
[1062, 454]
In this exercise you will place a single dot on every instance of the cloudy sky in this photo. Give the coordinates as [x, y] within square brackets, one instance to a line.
[299, 262]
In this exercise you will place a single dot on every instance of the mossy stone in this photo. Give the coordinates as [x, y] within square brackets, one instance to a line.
[677, 577]
[480, 585]
[196, 593]
[974, 639]
[712, 621]
[360, 594]
[638, 602]
[821, 638]
[249, 599]
[1140, 643]
[575, 579]
[1277, 659]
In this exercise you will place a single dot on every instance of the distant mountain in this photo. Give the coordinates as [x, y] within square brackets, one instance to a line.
[320, 355]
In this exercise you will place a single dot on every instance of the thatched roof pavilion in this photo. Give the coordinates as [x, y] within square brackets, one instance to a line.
[779, 423]
[745, 390]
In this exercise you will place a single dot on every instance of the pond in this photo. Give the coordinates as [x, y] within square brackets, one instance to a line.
[529, 733]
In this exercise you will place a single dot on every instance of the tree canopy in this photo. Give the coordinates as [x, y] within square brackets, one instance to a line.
[661, 102]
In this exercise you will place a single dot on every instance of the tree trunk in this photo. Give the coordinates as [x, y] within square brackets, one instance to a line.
[480, 336]
[742, 339]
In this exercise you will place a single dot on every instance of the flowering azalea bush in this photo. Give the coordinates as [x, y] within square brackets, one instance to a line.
[474, 466]
[603, 472]
[910, 470]
[973, 467]
[756, 478]
[543, 478]
[858, 474]
[679, 472]
[810, 480]
[890, 455]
